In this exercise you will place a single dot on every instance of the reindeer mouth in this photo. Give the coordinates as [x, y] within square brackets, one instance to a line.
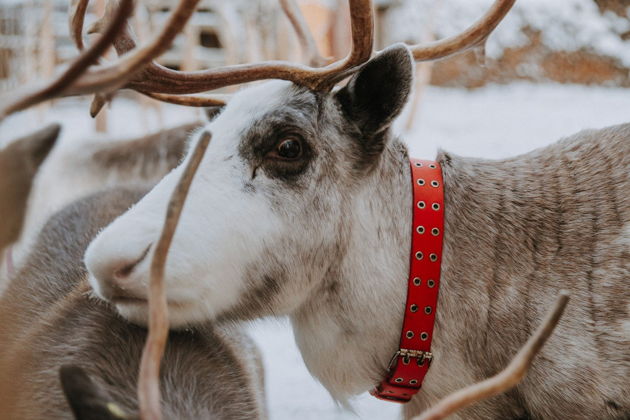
[127, 300]
[140, 301]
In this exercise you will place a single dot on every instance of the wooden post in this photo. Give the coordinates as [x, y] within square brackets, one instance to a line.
[142, 24]
[424, 70]
[320, 19]
[46, 54]
[100, 122]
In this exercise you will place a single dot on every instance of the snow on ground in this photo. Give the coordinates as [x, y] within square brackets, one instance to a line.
[493, 122]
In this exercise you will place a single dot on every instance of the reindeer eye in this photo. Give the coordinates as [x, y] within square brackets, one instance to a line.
[290, 148]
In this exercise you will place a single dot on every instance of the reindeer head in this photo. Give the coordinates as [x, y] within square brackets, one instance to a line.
[266, 211]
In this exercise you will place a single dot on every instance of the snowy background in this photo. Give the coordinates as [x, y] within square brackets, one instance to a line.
[493, 122]
[565, 25]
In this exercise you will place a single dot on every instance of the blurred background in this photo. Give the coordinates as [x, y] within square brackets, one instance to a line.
[550, 69]
[568, 42]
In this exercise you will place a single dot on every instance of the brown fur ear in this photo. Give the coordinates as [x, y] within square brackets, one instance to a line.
[86, 399]
[37, 145]
[19, 162]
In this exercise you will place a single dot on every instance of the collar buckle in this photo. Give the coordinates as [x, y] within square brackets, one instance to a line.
[408, 354]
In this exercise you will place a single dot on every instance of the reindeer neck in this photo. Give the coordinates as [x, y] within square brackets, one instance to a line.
[351, 328]
[501, 235]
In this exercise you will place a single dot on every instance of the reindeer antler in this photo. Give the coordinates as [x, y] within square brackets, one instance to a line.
[75, 70]
[148, 380]
[159, 79]
[473, 36]
[136, 70]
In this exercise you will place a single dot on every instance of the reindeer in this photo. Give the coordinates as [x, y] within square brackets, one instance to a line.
[51, 321]
[302, 207]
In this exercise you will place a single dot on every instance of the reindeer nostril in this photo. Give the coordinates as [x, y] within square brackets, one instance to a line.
[124, 271]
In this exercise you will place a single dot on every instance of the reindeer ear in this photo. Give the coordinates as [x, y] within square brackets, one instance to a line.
[86, 399]
[378, 92]
[36, 146]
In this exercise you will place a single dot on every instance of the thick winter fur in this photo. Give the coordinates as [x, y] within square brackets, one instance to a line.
[324, 238]
[48, 319]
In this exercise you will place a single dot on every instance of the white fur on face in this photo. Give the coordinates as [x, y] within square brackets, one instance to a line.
[223, 227]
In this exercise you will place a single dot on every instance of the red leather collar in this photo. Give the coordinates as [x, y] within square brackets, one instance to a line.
[411, 362]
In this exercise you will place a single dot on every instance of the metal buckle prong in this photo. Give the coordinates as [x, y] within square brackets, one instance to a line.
[420, 355]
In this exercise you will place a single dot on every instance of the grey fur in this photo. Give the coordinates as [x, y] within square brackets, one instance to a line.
[48, 319]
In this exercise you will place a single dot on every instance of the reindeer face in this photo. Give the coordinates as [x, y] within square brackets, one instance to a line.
[267, 212]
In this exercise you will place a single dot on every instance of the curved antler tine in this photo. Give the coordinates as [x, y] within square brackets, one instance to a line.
[303, 32]
[76, 69]
[190, 100]
[112, 76]
[362, 18]
[77, 17]
[159, 79]
[471, 37]
[124, 41]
